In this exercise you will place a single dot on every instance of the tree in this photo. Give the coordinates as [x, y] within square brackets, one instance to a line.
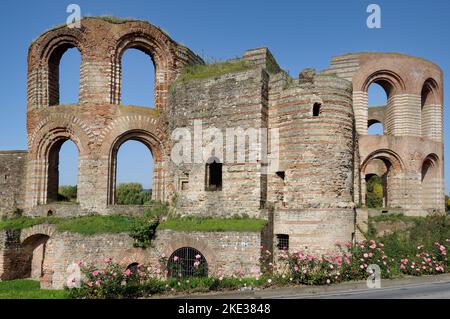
[67, 193]
[133, 194]
[375, 192]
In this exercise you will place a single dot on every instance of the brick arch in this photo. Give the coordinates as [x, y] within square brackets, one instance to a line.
[43, 229]
[53, 133]
[155, 43]
[44, 59]
[389, 80]
[71, 122]
[386, 155]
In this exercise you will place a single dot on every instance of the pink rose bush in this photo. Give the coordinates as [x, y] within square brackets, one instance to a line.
[347, 262]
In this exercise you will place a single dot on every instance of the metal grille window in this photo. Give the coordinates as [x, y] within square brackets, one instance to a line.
[283, 242]
[187, 262]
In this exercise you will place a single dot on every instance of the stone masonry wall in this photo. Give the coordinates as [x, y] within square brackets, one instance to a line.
[12, 181]
[231, 101]
[223, 251]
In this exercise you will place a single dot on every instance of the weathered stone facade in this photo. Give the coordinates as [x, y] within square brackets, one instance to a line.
[318, 152]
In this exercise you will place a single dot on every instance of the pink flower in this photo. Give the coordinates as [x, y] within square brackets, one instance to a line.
[98, 283]
[90, 284]
[175, 258]
[127, 272]
[348, 244]
[108, 260]
[198, 257]
[331, 267]
[95, 273]
[366, 255]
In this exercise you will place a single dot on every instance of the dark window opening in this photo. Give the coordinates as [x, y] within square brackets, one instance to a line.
[214, 175]
[316, 109]
[187, 262]
[281, 175]
[283, 242]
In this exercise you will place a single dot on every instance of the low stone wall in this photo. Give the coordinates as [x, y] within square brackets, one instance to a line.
[224, 251]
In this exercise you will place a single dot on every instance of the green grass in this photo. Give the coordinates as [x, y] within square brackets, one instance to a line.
[90, 225]
[199, 71]
[86, 225]
[28, 289]
[26, 222]
[214, 224]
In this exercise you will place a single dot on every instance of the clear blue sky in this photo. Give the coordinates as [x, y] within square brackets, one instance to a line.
[299, 33]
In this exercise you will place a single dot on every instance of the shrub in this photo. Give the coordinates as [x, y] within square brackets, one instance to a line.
[67, 193]
[133, 194]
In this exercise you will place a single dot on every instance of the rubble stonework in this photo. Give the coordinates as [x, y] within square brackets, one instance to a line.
[309, 188]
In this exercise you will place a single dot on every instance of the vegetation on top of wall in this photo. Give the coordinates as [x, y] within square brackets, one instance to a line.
[134, 108]
[23, 222]
[201, 71]
[91, 225]
[240, 224]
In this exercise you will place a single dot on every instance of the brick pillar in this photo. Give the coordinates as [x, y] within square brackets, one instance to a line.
[403, 115]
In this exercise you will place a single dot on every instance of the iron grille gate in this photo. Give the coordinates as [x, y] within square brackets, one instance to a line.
[187, 262]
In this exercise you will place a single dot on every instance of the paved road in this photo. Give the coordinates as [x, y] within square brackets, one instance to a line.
[439, 290]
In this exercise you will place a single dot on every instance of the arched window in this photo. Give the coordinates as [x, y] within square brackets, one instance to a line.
[134, 174]
[138, 77]
[213, 175]
[63, 172]
[64, 76]
[377, 102]
[316, 109]
[187, 262]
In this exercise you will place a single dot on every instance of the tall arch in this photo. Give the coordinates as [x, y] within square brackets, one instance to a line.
[154, 146]
[154, 43]
[44, 60]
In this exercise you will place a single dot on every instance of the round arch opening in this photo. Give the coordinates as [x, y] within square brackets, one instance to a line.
[187, 262]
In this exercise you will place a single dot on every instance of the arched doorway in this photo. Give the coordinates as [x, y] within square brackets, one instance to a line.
[33, 256]
[187, 262]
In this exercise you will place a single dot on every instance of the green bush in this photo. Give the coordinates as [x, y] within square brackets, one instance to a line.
[133, 194]
[375, 193]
